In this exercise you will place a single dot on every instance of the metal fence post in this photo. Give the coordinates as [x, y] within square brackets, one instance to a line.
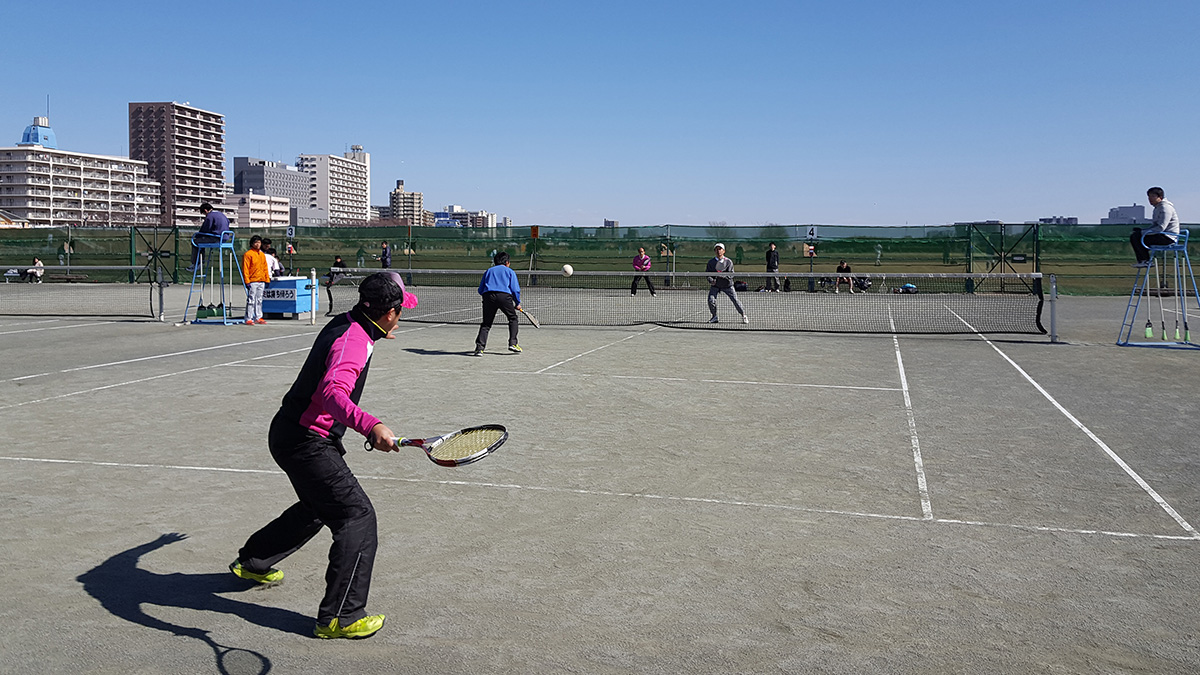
[312, 288]
[1053, 309]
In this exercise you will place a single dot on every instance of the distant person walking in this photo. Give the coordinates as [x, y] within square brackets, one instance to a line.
[773, 266]
[722, 284]
[215, 225]
[385, 255]
[878, 254]
[501, 292]
[1162, 233]
[641, 263]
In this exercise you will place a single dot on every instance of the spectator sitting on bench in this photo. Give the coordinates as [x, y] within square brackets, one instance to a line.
[34, 274]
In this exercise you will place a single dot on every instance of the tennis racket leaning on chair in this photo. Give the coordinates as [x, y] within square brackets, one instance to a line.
[457, 448]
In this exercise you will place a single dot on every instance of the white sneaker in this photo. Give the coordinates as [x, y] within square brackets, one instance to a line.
[713, 320]
[1141, 264]
[745, 319]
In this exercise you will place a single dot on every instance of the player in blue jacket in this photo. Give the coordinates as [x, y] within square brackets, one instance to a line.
[500, 291]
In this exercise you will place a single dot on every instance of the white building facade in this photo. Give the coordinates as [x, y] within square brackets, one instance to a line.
[48, 187]
[255, 212]
[339, 185]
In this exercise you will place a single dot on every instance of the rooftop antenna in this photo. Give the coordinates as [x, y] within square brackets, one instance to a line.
[47, 106]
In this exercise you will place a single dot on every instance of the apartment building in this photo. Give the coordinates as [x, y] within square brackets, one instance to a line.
[251, 213]
[275, 179]
[43, 186]
[184, 149]
[339, 185]
[406, 204]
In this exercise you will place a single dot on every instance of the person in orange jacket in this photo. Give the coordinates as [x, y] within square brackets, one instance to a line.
[256, 274]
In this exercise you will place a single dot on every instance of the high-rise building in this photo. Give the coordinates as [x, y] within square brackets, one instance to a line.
[44, 186]
[339, 185]
[274, 179]
[409, 205]
[184, 149]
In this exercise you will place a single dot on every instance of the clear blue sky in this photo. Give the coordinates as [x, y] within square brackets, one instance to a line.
[648, 112]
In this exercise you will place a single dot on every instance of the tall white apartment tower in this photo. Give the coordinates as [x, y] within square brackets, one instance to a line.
[184, 150]
[339, 185]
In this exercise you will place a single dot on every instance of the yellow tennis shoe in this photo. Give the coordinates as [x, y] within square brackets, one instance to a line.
[271, 576]
[363, 628]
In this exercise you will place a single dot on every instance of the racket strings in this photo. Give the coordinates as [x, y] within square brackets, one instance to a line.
[467, 444]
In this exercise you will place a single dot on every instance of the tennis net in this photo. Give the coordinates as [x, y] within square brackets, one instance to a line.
[81, 290]
[879, 303]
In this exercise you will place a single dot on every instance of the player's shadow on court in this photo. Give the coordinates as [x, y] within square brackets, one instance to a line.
[436, 352]
[122, 588]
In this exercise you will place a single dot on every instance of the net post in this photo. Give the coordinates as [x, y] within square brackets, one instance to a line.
[161, 312]
[312, 289]
[1053, 309]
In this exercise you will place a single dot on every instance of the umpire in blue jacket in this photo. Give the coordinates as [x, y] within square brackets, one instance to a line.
[500, 291]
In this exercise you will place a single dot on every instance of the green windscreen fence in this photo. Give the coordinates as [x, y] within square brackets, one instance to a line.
[1087, 259]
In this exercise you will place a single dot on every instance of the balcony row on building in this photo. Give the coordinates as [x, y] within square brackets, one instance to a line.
[177, 162]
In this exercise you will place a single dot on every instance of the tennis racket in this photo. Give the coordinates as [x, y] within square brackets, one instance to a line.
[458, 448]
[535, 322]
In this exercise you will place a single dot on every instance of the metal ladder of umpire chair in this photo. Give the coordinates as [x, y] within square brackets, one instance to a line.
[198, 272]
[1182, 268]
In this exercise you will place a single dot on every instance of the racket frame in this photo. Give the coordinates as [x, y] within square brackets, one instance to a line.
[432, 443]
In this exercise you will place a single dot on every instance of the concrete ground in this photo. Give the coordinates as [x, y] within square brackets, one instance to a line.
[669, 501]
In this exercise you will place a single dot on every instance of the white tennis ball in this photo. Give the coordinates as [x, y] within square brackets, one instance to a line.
[568, 270]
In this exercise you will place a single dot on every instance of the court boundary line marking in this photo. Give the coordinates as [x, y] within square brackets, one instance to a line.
[1162, 503]
[918, 461]
[151, 378]
[191, 351]
[74, 325]
[627, 337]
[658, 378]
[26, 323]
[164, 356]
[630, 495]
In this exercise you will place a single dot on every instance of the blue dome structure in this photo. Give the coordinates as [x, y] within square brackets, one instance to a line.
[39, 133]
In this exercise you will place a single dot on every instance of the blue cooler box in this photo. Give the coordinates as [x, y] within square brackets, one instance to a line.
[290, 296]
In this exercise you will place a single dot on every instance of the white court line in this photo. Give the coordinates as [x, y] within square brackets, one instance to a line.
[120, 384]
[36, 330]
[157, 377]
[674, 379]
[627, 495]
[164, 356]
[269, 356]
[628, 337]
[922, 485]
[29, 323]
[1096, 439]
